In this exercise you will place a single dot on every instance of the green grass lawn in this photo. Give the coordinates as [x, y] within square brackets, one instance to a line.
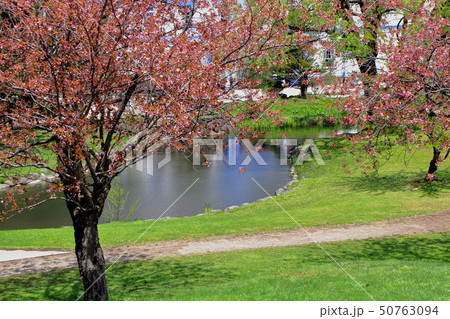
[328, 196]
[396, 268]
[311, 107]
[296, 111]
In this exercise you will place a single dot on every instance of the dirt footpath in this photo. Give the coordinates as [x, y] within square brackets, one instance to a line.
[429, 223]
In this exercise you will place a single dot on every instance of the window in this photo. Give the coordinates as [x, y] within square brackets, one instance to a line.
[328, 55]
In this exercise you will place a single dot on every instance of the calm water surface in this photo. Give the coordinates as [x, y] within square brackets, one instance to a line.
[218, 186]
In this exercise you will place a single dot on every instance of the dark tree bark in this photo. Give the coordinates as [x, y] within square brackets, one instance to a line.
[91, 261]
[304, 85]
[368, 66]
[366, 62]
[85, 206]
[432, 169]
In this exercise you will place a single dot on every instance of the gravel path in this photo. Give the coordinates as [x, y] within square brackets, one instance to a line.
[429, 223]
[7, 255]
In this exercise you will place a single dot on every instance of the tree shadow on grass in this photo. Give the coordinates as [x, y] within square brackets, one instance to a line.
[54, 285]
[161, 277]
[396, 182]
[434, 247]
[155, 279]
[66, 285]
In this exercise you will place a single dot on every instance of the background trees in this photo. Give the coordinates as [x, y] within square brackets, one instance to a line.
[354, 29]
[293, 64]
[290, 67]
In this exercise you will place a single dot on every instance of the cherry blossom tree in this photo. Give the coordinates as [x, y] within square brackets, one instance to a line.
[403, 70]
[408, 104]
[90, 82]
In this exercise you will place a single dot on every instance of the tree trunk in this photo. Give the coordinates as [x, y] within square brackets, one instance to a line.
[91, 262]
[304, 85]
[368, 65]
[432, 169]
[369, 69]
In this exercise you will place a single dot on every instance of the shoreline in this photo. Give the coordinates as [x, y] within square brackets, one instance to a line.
[30, 180]
[282, 190]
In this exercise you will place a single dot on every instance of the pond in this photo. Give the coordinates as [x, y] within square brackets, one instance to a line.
[163, 191]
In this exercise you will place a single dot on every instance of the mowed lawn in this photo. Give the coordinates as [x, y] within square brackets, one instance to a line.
[312, 107]
[396, 268]
[295, 110]
[328, 195]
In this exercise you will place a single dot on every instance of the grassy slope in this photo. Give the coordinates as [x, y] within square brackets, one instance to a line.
[311, 107]
[296, 110]
[327, 197]
[397, 268]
